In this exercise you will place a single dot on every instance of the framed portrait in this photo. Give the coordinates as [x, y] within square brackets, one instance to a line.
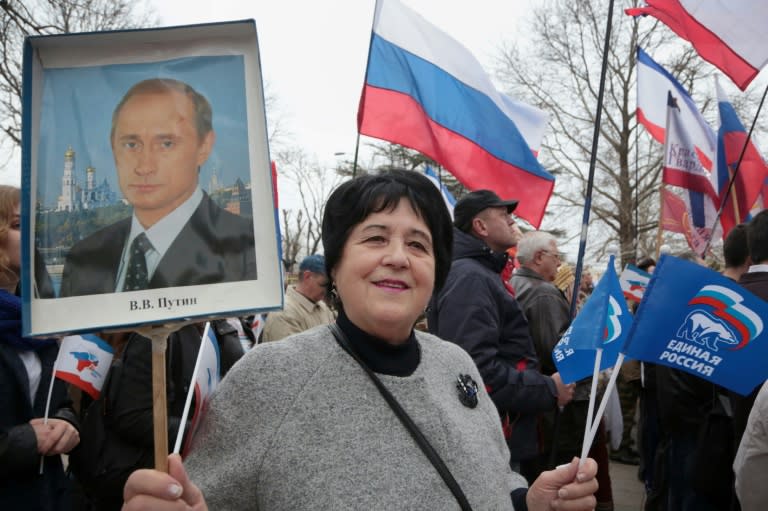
[147, 195]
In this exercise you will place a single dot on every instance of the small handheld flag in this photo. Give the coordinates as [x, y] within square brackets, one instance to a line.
[602, 324]
[84, 361]
[205, 378]
[633, 282]
[694, 319]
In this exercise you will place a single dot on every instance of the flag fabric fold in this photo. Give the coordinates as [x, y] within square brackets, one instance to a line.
[448, 198]
[728, 34]
[682, 169]
[653, 85]
[752, 171]
[694, 319]
[205, 379]
[603, 322]
[84, 361]
[633, 282]
[426, 91]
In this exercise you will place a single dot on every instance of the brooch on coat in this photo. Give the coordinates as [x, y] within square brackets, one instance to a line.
[467, 389]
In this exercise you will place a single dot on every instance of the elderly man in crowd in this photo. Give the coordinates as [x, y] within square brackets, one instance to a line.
[304, 306]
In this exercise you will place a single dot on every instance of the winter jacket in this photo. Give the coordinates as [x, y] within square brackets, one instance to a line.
[475, 310]
[21, 485]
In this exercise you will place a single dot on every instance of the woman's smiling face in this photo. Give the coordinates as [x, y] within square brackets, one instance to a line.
[386, 272]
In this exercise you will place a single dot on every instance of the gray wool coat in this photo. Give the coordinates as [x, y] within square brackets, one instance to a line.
[298, 425]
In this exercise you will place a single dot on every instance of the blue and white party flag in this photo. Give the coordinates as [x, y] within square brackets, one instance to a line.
[694, 319]
[603, 322]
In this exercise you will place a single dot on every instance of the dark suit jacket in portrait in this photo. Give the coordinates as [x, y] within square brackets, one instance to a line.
[214, 246]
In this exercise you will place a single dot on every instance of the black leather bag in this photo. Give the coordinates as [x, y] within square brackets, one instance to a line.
[102, 461]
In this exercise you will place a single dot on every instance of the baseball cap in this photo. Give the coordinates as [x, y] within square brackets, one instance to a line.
[473, 203]
[314, 263]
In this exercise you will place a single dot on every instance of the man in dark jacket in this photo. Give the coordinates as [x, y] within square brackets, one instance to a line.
[475, 310]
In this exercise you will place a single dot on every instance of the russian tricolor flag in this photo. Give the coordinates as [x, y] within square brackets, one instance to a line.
[426, 91]
[752, 170]
[729, 34]
[653, 84]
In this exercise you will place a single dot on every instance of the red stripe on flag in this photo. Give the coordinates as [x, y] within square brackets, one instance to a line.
[398, 118]
[707, 44]
[657, 133]
[75, 380]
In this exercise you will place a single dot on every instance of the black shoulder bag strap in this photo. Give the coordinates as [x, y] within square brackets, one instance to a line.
[411, 426]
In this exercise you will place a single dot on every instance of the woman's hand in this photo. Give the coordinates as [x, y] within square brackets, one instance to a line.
[150, 490]
[56, 437]
[567, 488]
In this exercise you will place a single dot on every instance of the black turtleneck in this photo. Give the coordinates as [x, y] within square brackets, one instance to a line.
[380, 356]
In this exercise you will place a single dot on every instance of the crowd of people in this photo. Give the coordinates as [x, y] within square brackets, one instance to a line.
[354, 407]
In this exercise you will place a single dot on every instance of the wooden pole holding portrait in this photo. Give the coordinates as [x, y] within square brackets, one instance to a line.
[89, 100]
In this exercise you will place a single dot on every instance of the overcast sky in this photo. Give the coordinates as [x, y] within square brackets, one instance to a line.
[314, 53]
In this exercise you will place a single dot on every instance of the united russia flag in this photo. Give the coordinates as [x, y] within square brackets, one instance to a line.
[84, 361]
[603, 323]
[694, 319]
[426, 91]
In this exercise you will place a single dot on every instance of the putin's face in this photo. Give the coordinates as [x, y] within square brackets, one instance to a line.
[158, 152]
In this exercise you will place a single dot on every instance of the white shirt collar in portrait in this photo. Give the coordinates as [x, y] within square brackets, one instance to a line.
[161, 236]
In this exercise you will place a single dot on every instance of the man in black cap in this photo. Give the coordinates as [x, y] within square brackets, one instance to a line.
[475, 310]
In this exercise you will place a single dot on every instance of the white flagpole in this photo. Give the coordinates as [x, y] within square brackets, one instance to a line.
[604, 401]
[48, 402]
[591, 410]
[191, 392]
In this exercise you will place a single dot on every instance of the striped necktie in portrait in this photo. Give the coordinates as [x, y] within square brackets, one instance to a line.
[137, 277]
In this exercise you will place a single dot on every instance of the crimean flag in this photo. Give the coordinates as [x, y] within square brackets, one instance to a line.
[603, 322]
[84, 361]
[694, 319]
[729, 34]
[654, 83]
[633, 282]
[752, 171]
[426, 91]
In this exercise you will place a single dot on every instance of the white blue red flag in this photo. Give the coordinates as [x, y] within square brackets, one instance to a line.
[694, 319]
[752, 170]
[448, 198]
[654, 83]
[633, 282]
[84, 361]
[426, 91]
[603, 322]
[729, 34]
[205, 378]
[683, 169]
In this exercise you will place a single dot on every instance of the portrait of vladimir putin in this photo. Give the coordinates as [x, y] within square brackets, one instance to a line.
[161, 134]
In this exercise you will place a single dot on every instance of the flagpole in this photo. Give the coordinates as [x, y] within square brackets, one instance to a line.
[354, 163]
[592, 163]
[660, 230]
[736, 169]
[604, 402]
[591, 409]
[191, 391]
[48, 403]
